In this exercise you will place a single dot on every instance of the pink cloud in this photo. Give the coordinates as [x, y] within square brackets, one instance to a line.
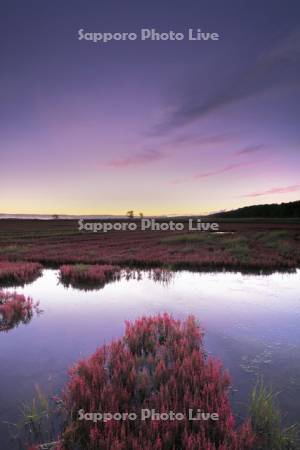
[145, 157]
[202, 140]
[212, 173]
[250, 149]
[225, 169]
[278, 190]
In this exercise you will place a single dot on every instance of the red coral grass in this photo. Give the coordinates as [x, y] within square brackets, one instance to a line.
[89, 276]
[18, 273]
[15, 309]
[159, 364]
[252, 246]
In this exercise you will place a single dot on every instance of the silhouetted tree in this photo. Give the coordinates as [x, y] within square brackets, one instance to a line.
[130, 214]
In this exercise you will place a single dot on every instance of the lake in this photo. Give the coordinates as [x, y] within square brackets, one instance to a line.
[251, 323]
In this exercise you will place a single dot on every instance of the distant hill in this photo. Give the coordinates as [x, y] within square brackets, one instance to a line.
[274, 210]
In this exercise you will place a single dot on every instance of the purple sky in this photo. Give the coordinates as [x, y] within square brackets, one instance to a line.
[159, 127]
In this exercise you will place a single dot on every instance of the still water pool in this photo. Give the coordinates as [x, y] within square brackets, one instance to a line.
[251, 322]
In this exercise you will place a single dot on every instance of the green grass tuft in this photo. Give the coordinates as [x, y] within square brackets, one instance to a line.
[266, 421]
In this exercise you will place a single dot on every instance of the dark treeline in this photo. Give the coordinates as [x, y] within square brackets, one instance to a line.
[274, 210]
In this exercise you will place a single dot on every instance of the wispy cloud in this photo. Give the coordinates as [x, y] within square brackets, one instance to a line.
[212, 173]
[277, 190]
[250, 149]
[278, 66]
[213, 139]
[222, 170]
[138, 159]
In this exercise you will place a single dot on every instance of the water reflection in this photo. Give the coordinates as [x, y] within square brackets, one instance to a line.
[86, 283]
[251, 322]
[15, 310]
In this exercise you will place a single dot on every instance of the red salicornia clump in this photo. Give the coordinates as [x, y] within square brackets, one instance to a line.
[159, 364]
[18, 273]
[15, 309]
[85, 275]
